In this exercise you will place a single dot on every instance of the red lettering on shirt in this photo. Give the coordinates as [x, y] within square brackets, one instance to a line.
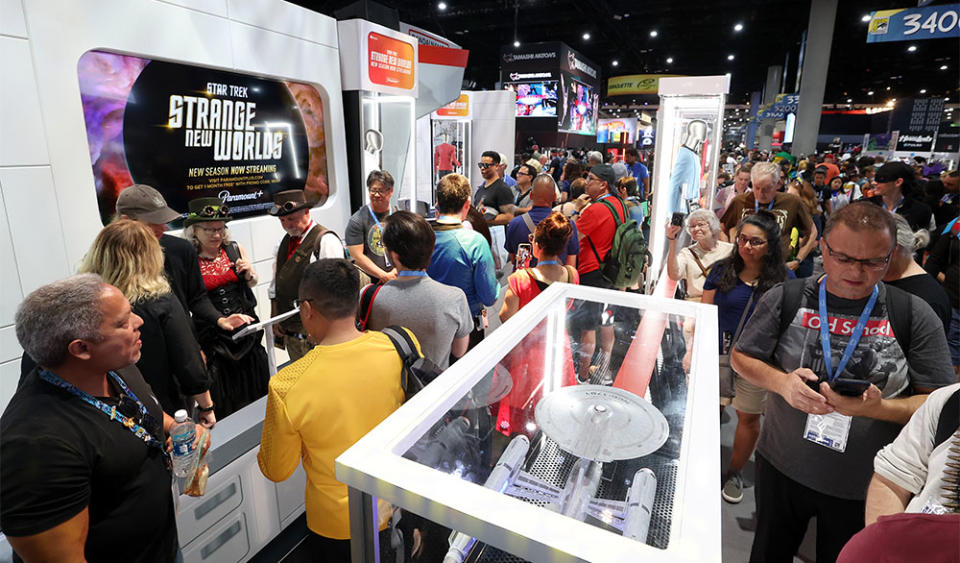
[844, 327]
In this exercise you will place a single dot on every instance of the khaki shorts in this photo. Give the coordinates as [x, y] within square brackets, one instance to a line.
[750, 398]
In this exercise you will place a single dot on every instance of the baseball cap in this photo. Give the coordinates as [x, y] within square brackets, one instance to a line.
[890, 171]
[144, 203]
[605, 173]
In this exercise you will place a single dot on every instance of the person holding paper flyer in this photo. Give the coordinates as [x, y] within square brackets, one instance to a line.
[848, 360]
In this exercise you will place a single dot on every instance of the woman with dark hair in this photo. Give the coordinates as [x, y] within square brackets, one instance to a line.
[734, 285]
[572, 170]
[526, 363]
[577, 188]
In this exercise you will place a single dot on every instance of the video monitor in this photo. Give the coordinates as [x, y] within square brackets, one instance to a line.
[579, 109]
[536, 99]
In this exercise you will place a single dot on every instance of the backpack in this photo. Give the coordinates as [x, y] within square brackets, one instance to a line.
[367, 296]
[417, 370]
[949, 420]
[624, 263]
[896, 301]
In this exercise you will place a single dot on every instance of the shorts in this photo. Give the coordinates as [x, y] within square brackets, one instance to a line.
[749, 398]
[953, 338]
[588, 315]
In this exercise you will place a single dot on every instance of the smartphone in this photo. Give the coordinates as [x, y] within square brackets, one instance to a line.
[677, 219]
[524, 253]
[849, 387]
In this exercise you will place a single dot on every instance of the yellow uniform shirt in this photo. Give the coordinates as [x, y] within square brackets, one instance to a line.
[318, 407]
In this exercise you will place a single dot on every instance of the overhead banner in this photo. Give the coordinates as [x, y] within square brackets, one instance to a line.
[912, 24]
[783, 104]
[195, 132]
[915, 141]
[633, 84]
[377, 59]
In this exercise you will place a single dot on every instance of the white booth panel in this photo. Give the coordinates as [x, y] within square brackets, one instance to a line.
[213, 7]
[10, 292]
[21, 127]
[37, 236]
[11, 19]
[286, 18]
[9, 346]
[9, 376]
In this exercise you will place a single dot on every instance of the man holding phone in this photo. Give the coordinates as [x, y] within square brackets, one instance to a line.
[872, 353]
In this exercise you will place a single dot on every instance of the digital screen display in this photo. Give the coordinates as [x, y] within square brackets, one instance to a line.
[536, 99]
[579, 109]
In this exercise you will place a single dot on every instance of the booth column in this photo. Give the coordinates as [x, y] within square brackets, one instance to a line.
[816, 61]
[770, 91]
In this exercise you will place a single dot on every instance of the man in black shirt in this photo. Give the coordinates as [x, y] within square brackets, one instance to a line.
[494, 199]
[76, 476]
[180, 263]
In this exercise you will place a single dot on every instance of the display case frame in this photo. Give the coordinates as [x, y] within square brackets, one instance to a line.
[375, 466]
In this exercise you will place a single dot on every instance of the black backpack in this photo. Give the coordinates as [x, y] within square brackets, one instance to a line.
[418, 371]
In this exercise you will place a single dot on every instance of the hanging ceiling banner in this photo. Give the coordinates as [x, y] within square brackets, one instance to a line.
[911, 24]
[632, 84]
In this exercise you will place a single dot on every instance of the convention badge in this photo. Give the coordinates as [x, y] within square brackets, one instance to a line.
[933, 507]
[828, 430]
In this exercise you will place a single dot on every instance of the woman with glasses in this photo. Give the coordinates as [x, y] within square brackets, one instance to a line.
[734, 285]
[691, 263]
[127, 255]
[238, 368]
[527, 363]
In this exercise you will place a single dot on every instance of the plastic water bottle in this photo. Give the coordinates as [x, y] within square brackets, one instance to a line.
[182, 434]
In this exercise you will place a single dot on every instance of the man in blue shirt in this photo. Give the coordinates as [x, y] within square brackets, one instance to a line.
[636, 169]
[542, 196]
[461, 257]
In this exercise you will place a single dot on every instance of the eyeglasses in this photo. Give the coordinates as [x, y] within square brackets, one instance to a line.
[130, 409]
[485, 165]
[380, 192]
[693, 226]
[214, 231]
[751, 242]
[524, 174]
[868, 263]
[298, 302]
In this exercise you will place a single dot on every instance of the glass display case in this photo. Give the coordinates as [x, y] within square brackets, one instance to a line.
[535, 447]
[688, 143]
[387, 123]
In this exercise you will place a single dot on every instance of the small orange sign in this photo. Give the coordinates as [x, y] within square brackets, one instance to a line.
[390, 61]
[457, 108]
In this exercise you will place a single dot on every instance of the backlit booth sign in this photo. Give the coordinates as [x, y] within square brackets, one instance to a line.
[617, 130]
[633, 84]
[377, 59]
[195, 132]
[459, 108]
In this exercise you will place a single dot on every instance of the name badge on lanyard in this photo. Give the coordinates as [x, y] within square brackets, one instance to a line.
[832, 430]
[386, 260]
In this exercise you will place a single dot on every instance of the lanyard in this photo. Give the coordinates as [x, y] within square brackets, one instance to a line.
[419, 273]
[547, 263]
[386, 260]
[895, 207]
[950, 227]
[854, 337]
[138, 431]
[756, 203]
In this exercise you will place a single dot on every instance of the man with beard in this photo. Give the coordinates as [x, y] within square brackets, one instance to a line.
[305, 242]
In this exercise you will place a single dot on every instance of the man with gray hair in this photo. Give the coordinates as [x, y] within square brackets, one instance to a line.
[594, 158]
[83, 466]
[792, 215]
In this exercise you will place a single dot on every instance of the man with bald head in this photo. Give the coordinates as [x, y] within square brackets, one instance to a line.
[543, 194]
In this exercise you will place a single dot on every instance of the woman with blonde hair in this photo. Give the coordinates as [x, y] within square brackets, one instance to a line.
[127, 255]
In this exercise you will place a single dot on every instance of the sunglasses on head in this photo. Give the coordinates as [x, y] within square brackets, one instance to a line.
[212, 211]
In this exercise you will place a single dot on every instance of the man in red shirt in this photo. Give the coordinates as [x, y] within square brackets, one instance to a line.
[596, 227]
[830, 161]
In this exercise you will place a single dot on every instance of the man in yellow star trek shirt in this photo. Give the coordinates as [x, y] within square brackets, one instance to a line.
[323, 403]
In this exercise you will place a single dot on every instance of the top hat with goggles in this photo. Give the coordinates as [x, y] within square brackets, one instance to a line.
[287, 202]
[205, 209]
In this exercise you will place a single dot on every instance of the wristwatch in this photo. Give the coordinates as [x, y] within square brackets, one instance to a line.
[206, 409]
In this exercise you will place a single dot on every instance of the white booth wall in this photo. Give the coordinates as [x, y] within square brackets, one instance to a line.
[50, 213]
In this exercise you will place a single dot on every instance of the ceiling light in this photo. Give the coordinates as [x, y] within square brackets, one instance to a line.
[946, 99]
[943, 67]
[442, 6]
[888, 88]
[653, 33]
[923, 90]
[865, 18]
[730, 57]
[738, 27]
[516, 43]
[615, 63]
[911, 48]
[586, 36]
[870, 93]
[849, 100]
[669, 60]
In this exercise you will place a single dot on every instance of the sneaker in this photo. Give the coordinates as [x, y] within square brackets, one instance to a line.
[732, 491]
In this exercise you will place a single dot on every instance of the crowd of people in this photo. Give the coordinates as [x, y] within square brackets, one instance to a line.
[785, 250]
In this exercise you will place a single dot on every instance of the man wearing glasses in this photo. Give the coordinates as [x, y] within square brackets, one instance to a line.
[364, 235]
[304, 242]
[848, 360]
[494, 199]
